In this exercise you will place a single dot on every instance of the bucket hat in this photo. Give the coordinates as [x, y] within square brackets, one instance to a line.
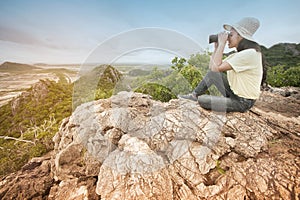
[246, 27]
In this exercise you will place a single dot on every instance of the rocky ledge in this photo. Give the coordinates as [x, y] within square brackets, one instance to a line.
[132, 147]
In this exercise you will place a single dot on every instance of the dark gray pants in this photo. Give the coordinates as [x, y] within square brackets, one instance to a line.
[228, 103]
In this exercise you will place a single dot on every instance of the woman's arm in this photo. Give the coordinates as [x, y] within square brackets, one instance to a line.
[216, 64]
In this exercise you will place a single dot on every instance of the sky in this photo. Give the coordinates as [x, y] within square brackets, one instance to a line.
[65, 31]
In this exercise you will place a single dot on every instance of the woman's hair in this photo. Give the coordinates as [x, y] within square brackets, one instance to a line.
[247, 44]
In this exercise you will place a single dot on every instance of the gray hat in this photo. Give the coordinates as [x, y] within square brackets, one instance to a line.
[246, 27]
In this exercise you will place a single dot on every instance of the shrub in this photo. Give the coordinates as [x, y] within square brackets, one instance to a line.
[157, 91]
[192, 75]
[279, 76]
[292, 77]
[177, 83]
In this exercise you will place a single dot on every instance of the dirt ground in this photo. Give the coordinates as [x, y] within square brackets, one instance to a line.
[278, 104]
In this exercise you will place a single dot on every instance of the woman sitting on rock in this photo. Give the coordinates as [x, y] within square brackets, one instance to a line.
[241, 85]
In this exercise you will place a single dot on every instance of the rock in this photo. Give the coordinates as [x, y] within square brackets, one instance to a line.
[34, 181]
[286, 91]
[132, 147]
[74, 189]
[37, 93]
[274, 102]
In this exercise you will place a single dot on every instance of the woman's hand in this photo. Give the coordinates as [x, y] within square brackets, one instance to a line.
[222, 38]
[216, 63]
[216, 45]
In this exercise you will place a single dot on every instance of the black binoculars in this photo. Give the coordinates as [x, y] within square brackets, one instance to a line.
[212, 38]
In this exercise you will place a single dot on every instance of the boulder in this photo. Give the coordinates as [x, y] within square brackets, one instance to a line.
[132, 147]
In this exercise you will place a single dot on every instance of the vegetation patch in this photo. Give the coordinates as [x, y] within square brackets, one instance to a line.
[29, 122]
[157, 91]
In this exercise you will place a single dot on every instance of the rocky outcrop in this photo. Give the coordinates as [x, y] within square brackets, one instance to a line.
[132, 147]
[280, 102]
[37, 93]
[293, 92]
[33, 181]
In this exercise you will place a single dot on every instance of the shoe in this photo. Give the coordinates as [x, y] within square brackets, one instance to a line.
[191, 96]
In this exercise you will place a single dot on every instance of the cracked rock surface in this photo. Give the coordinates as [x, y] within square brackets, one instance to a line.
[132, 147]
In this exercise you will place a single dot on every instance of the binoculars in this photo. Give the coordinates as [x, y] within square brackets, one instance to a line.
[212, 38]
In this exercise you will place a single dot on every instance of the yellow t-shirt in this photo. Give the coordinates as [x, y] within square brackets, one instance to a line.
[246, 76]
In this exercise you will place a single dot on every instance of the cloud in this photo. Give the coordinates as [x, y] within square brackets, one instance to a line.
[49, 39]
[10, 34]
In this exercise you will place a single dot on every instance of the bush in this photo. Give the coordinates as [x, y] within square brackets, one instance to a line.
[157, 91]
[167, 84]
[192, 75]
[177, 83]
[279, 76]
[292, 77]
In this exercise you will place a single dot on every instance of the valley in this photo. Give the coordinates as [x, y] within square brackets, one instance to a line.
[15, 81]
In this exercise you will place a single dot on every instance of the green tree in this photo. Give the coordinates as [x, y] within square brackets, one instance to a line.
[178, 64]
[192, 74]
[200, 61]
[177, 83]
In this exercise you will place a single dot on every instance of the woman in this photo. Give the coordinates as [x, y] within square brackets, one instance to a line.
[241, 85]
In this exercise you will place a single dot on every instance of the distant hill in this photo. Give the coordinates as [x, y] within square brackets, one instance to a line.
[287, 54]
[99, 83]
[15, 67]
